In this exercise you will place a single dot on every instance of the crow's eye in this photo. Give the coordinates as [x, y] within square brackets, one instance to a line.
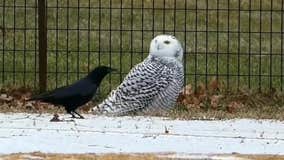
[167, 42]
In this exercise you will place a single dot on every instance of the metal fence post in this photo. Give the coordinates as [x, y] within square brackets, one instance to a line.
[42, 33]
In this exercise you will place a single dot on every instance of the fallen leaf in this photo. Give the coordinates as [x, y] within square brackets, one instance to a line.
[185, 97]
[5, 98]
[215, 100]
[213, 85]
[234, 106]
[201, 92]
[201, 89]
[188, 90]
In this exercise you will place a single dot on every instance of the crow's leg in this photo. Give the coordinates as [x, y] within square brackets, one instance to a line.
[70, 112]
[80, 116]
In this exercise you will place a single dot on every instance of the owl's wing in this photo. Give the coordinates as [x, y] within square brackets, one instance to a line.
[139, 88]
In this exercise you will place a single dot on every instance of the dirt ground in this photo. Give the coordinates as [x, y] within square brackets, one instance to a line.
[39, 156]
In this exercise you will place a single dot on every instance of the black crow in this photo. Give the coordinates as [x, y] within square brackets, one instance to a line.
[77, 94]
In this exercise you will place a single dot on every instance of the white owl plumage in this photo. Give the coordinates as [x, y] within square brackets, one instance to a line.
[152, 85]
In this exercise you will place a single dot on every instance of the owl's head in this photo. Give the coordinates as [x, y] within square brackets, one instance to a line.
[166, 46]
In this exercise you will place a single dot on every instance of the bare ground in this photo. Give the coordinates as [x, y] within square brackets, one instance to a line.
[39, 156]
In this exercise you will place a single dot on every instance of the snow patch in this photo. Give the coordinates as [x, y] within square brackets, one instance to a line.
[22, 132]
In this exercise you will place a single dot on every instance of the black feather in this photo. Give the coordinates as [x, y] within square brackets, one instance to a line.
[77, 94]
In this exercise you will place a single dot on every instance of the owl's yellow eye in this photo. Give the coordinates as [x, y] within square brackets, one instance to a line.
[167, 42]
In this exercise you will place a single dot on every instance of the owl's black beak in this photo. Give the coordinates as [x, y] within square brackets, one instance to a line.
[159, 47]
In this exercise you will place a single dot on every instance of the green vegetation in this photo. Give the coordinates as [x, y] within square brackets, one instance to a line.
[88, 42]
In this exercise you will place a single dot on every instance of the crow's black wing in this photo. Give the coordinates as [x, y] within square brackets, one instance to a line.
[80, 88]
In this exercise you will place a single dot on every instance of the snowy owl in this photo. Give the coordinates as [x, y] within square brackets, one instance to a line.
[152, 85]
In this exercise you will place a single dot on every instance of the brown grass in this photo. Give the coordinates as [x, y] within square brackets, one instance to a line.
[38, 155]
[216, 102]
[262, 157]
[203, 104]
[256, 106]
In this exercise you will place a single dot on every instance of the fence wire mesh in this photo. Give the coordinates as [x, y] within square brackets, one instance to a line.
[239, 42]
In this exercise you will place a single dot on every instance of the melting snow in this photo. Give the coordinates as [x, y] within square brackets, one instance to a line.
[22, 132]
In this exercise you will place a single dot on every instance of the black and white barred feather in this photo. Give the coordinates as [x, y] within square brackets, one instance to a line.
[152, 85]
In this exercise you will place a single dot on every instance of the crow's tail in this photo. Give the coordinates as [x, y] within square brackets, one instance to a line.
[38, 97]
